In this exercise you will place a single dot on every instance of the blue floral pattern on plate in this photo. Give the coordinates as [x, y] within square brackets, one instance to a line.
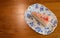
[35, 24]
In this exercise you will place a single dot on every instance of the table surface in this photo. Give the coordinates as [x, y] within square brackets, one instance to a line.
[13, 25]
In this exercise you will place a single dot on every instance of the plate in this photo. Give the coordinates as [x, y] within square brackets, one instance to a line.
[35, 24]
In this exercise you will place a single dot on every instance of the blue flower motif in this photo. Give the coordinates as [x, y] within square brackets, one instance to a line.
[48, 32]
[38, 29]
[54, 22]
[31, 23]
[51, 21]
[36, 6]
[41, 8]
[28, 15]
[46, 27]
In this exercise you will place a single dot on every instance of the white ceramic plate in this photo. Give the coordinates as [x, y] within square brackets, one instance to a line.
[35, 24]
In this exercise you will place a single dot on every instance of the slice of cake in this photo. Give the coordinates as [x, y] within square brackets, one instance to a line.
[43, 18]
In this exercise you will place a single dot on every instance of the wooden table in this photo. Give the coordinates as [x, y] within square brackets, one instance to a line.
[13, 25]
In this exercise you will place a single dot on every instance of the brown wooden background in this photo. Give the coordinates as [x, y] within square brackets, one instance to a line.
[12, 23]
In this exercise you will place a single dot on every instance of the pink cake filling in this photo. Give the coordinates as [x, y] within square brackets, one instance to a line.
[42, 17]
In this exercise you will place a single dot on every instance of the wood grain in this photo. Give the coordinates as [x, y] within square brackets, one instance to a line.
[13, 25]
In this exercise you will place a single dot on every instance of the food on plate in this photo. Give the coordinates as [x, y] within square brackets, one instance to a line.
[43, 18]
